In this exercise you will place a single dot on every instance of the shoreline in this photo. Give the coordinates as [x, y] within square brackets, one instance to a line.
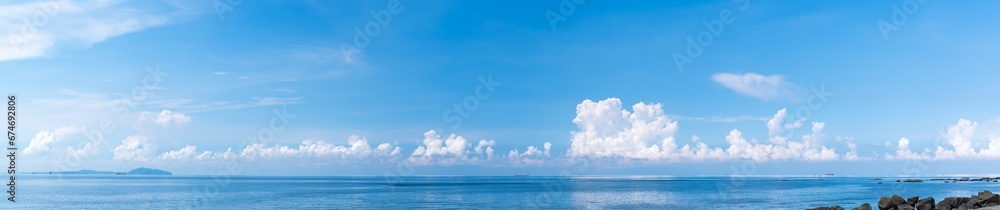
[985, 200]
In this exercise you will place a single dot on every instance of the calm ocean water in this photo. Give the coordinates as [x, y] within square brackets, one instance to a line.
[508, 192]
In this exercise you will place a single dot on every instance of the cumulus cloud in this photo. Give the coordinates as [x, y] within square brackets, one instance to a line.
[166, 118]
[452, 150]
[86, 150]
[776, 129]
[993, 149]
[485, 146]
[606, 130]
[435, 151]
[958, 140]
[809, 148]
[135, 148]
[530, 156]
[852, 146]
[44, 139]
[903, 151]
[356, 148]
[756, 85]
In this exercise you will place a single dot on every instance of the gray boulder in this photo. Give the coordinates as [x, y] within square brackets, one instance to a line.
[988, 198]
[864, 206]
[885, 203]
[897, 200]
[912, 201]
[966, 206]
[926, 203]
[904, 207]
[948, 203]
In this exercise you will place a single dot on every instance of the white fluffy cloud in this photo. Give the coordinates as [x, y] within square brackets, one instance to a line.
[435, 151]
[166, 118]
[776, 129]
[756, 85]
[452, 150]
[959, 137]
[356, 148]
[959, 144]
[903, 151]
[44, 139]
[135, 148]
[993, 149]
[530, 156]
[609, 131]
[486, 146]
[853, 147]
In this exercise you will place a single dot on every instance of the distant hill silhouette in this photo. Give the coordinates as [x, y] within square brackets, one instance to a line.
[137, 171]
[148, 171]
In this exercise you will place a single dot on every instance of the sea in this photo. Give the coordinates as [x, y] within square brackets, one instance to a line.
[466, 192]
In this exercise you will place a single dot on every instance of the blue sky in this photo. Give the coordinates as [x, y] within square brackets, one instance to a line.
[548, 79]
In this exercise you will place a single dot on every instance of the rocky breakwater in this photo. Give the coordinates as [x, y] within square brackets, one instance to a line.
[895, 202]
[967, 179]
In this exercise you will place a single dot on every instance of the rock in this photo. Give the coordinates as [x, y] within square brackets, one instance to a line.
[885, 203]
[926, 203]
[966, 206]
[948, 203]
[912, 201]
[864, 206]
[974, 201]
[904, 207]
[960, 201]
[985, 195]
[897, 200]
[986, 198]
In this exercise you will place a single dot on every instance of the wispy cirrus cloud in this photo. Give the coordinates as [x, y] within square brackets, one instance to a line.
[721, 119]
[253, 102]
[33, 29]
[758, 86]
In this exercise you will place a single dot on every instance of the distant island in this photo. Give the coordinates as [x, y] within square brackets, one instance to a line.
[148, 171]
[137, 171]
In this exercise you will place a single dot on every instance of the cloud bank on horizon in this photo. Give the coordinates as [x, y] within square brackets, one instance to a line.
[606, 130]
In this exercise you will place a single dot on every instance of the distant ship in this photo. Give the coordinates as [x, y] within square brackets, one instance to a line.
[521, 175]
[829, 174]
